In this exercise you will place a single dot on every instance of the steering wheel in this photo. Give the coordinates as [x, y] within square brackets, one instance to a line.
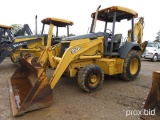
[109, 32]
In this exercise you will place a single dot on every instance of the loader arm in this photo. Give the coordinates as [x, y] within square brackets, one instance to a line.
[70, 56]
[43, 58]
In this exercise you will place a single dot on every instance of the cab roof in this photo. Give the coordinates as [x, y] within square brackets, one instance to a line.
[57, 22]
[5, 26]
[122, 13]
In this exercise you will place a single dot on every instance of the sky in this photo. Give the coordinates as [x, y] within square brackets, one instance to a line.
[79, 11]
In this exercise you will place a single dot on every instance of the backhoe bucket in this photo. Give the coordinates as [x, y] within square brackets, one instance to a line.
[29, 88]
[152, 103]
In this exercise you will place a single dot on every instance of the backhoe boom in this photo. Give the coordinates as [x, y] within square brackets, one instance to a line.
[138, 31]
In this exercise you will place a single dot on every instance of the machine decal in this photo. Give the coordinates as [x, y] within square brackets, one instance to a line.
[76, 49]
[19, 44]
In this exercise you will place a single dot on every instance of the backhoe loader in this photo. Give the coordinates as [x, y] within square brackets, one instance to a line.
[87, 56]
[33, 44]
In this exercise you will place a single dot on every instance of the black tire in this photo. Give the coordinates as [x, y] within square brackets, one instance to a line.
[90, 78]
[132, 66]
[155, 58]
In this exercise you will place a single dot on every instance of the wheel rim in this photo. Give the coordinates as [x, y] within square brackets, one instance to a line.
[94, 79]
[134, 66]
[155, 58]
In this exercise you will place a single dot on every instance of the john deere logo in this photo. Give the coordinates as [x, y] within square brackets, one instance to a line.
[76, 49]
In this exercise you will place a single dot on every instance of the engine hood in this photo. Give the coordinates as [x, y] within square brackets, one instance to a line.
[90, 36]
[31, 36]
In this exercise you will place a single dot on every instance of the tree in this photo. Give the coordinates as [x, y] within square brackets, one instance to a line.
[16, 27]
[157, 39]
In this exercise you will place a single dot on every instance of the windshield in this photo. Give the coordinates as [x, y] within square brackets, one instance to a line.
[152, 45]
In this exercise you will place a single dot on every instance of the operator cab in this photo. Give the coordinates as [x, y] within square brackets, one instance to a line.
[112, 15]
[59, 24]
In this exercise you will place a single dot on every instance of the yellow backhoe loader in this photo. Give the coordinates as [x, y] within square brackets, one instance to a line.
[87, 56]
[33, 44]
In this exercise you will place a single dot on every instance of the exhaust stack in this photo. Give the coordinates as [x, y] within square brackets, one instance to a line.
[36, 25]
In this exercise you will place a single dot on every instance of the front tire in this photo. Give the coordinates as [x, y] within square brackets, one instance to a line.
[90, 78]
[155, 58]
[132, 66]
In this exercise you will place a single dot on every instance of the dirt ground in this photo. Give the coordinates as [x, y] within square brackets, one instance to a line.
[69, 103]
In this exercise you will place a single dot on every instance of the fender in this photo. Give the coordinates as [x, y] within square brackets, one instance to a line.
[14, 46]
[127, 47]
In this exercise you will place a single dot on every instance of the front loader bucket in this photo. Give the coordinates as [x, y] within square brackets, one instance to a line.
[29, 88]
[152, 103]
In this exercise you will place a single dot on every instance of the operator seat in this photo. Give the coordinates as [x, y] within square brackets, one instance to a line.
[117, 42]
[117, 38]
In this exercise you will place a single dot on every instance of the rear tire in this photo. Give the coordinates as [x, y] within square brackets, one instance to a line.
[90, 78]
[132, 66]
[155, 58]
